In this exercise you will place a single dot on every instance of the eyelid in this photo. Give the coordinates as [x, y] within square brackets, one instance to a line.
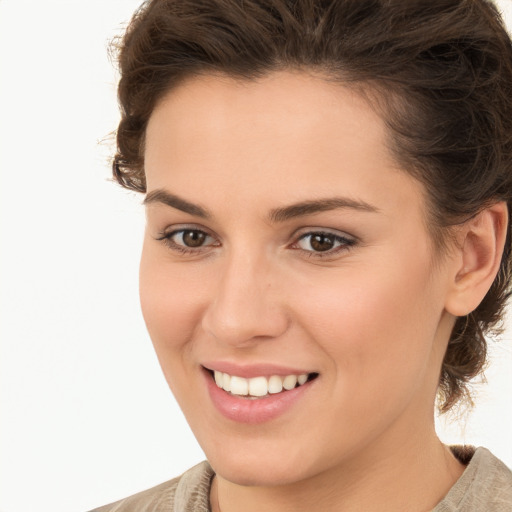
[347, 242]
[165, 236]
[324, 231]
[177, 228]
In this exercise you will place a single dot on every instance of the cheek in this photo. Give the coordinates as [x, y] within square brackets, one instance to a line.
[376, 325]
[170, 306]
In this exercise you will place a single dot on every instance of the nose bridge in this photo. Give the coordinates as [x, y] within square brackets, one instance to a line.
[245, 305]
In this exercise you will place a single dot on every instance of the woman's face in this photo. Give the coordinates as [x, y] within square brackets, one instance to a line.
[283, 240]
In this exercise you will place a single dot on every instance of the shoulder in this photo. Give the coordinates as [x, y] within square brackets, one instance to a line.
[189, 491]
[486, 484]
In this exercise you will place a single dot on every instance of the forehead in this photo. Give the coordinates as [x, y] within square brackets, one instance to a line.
[288, 135]
[282, 104]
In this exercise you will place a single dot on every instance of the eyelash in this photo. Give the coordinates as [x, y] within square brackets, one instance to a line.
[345, 243]
[166, 239]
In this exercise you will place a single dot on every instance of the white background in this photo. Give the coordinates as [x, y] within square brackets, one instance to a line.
[86, 417]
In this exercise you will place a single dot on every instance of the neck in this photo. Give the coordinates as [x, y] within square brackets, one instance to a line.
[404, 478]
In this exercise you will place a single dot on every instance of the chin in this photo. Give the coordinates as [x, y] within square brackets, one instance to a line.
[262, 474]
[263, 466]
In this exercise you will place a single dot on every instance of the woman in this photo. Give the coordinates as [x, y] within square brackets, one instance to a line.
[327, 187]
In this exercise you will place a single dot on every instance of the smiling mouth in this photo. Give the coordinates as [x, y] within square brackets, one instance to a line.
[259, 387]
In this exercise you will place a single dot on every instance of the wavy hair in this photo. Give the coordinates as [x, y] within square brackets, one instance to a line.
[440, 69]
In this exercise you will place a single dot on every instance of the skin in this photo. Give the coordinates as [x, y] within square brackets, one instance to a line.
[372, 316]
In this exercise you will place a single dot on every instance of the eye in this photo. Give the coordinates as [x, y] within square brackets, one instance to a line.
[318, 242]
[187, 240]
[190, 238]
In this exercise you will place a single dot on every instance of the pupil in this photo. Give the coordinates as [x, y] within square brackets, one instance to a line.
[322, 242]
[193, 238]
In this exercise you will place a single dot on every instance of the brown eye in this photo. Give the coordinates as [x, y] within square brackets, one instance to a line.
[193, 238]
[318, 242]
[188, 239]
[321, 242]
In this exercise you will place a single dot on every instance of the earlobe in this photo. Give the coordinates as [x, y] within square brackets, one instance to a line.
[481, 242]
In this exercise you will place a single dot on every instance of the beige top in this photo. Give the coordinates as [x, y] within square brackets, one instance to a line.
[485, 486]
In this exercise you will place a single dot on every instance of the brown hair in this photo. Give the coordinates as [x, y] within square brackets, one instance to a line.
[441, 68]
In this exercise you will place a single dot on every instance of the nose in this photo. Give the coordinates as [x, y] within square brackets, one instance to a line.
[245, 307]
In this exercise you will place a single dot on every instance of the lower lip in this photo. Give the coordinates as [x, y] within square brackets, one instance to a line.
[259, 410]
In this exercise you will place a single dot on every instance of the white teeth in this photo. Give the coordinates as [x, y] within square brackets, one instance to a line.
[226, 382]
[275, 384]
[290, 381]
[239, 386]
[258, 386]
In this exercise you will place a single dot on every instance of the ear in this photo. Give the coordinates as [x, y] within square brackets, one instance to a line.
[477, 260]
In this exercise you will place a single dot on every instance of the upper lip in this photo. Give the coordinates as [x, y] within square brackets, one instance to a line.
[249, 371]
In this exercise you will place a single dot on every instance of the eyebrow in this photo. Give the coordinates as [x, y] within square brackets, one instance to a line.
[317, 206]
[162, 196]
[276, 215]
